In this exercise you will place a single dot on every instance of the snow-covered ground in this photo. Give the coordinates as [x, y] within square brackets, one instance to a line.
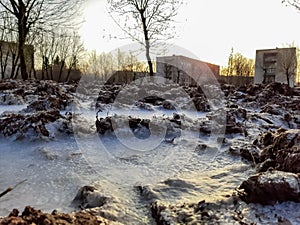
[178, 164]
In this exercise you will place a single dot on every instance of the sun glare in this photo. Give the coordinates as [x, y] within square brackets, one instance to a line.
[99, 32]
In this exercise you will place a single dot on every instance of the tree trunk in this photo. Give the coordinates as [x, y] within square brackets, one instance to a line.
[265, 76]
[61, 70]
[15, 59]
[17, 72]
[287, 77]
[68, 75]
[22, 32]
[178, 76]
[149, 58]
[4, 64]
[46, 74]
[147, 43]
[23, 66]
[34, 73]
[51, 72]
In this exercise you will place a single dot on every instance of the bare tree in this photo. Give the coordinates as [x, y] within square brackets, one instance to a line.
[58, 53]
[145, 21]
[8, 50]
[293, 45]
[46, 53]
[4, 54]
[288, 63]
[105, 64]
[64, 49]
[93, 64]
[37, 14]
[294, 3]
[75, 54]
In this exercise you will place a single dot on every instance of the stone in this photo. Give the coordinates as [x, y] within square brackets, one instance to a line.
[168, 105]
[104, 125]
[270, 187]
[153, 99]
[89, 197]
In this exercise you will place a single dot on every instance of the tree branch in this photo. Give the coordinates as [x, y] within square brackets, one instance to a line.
[11, 188]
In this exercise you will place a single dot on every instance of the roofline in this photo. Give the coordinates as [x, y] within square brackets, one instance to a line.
[187, 58]
[274, 49]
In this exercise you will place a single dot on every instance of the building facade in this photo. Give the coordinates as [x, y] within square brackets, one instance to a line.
[186, 71]
[276, 65]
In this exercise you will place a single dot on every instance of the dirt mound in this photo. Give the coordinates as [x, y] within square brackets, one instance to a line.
[20, 124]
[280, 150]
[35, 93]
[32, 216]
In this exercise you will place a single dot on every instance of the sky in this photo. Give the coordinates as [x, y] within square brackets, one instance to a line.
[207, 28]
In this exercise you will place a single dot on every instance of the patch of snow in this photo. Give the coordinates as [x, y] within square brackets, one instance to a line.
[11, 108]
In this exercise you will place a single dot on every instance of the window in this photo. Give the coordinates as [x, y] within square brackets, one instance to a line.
[271, 71]
[270, 78]
[270, 60]
[270, 57]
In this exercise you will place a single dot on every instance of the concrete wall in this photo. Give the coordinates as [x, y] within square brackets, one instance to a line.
[236, 80]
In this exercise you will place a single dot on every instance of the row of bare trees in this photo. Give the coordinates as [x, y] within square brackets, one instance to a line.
[48, 25]
[58, 53]
[9, 56]
[104, 64]
[38, 23]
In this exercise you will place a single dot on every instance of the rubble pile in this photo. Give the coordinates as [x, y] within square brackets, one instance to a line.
[20, 124]
[44, 100]
[276, 151]
[228, 211]
[32, 216]
[32, 90]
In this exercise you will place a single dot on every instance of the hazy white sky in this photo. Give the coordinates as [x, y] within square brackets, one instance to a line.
[208, 28]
